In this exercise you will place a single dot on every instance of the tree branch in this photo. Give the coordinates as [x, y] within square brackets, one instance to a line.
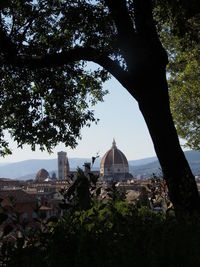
[7, 47]
[121, 17]
[124, 25]
[144, 18]
[4, 4]
[145, 27]
[75, 54]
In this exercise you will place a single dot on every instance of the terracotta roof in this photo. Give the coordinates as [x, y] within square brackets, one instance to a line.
[114, 156]
[9, 180]
[20, 196]
[42, 175]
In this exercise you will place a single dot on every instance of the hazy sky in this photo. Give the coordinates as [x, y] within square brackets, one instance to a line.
[120, 118]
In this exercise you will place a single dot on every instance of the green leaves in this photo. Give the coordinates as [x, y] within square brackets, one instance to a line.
[178, 24]
[50, 105]
[185, 96]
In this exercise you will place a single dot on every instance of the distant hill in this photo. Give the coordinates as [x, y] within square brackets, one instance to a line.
[139, 162]
[22, 168]
[27, 169]
[147, 170]
[143, 167]
[3, 164]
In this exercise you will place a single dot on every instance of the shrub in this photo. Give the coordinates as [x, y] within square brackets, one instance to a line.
[106, 233]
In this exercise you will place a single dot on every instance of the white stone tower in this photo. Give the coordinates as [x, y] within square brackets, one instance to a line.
[63, 165]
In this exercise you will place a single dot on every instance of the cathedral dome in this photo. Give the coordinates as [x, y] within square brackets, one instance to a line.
[41, 175]
[113, 156]
[114, 164]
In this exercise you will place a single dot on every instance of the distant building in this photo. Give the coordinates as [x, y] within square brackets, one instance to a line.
[63, 165]
[41, 175]
[114, 165]
[7, 184]
[22, 203]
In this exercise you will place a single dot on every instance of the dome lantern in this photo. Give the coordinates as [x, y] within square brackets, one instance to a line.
[114, 143]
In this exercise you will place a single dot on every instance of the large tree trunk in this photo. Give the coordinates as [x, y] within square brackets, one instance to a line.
[146, 60]
[153, 102]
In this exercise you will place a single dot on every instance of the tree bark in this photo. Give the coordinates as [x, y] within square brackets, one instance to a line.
[146, 61]
[153, 102]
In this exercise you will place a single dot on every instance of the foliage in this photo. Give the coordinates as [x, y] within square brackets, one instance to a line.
[106, 233]
[80, 194]
[55, 98]
[181, 37]
[158, 188]
[185, 97]
[45, 80]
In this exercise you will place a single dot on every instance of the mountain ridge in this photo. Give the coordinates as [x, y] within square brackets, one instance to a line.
[142, 167]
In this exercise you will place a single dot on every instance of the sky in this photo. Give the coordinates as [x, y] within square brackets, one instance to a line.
[120, 118]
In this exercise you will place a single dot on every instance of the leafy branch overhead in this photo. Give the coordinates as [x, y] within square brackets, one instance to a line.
[47, 87]
[45, 80]
[46, 97]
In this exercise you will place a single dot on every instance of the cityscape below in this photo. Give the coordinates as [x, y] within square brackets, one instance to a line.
[43, 189]
[142, 168]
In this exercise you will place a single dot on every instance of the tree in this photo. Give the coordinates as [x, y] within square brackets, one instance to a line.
[185, 98]
[182, 42]
[44, 47]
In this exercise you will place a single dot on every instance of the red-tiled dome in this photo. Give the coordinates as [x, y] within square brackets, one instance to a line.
[114, 165]
[41, 175]
[113, 156]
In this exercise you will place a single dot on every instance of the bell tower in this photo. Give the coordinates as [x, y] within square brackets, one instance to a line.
[63, 165]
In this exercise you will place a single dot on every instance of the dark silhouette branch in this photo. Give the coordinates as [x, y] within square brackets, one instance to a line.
[7, 47]
[70, 56]
[4, 4]
[146, 29]
[121, 17]
[124, 25]
[143, 18]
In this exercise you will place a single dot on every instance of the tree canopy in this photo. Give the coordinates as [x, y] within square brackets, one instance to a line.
[44, 48]
[185, 97]
[46, 91]
[180, 34]
[44, 103]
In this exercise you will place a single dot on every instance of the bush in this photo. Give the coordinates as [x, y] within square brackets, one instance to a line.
[111, 233]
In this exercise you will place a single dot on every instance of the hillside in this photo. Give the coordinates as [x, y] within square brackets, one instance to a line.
[27, 169]
[147, 170]
[144, 167]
